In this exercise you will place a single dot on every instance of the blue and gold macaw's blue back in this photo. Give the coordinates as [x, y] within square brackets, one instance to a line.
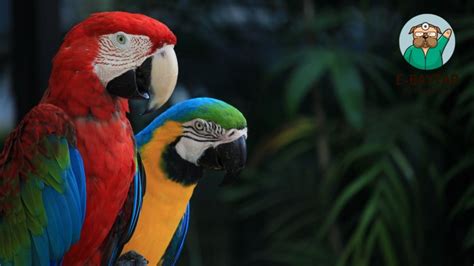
[42, 190]
[176, 245]
[175, 148]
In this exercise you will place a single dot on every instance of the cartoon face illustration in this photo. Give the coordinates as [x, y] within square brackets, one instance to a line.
[429, 41]
[425, 35]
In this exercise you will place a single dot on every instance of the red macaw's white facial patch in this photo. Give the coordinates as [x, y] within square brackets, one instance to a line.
[120, 52]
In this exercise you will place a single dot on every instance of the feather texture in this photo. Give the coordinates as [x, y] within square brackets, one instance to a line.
[42, 189]
[172, 253]
[104, 134]
[127, 219]
[164, 218]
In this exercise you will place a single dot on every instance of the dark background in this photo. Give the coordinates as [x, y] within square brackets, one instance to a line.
[347, 167]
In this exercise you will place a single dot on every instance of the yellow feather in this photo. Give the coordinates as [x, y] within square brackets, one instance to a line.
[164, 202]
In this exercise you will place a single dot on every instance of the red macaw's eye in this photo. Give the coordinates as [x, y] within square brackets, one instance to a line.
[121, 38]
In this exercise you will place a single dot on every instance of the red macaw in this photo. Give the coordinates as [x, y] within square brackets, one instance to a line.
[80, 124]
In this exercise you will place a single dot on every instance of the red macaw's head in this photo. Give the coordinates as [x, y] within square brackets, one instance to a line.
[129, 55]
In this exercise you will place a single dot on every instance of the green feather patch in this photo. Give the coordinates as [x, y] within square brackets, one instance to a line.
[28, 213]
[218, 112]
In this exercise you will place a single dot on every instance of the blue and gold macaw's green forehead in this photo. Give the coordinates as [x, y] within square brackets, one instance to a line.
[208, 109]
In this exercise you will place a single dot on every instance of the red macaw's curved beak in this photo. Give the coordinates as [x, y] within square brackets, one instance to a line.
[154, 80]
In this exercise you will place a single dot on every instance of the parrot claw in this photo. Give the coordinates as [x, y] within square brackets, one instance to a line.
[132, 258]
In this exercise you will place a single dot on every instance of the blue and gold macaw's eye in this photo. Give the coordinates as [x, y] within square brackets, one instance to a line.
[199, 125]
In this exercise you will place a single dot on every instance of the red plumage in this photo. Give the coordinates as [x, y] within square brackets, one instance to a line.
[104, 135]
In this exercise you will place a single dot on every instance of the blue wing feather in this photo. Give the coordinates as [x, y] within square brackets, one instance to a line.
[126, 223]
[55, 224]
[171, 256]
[136, 202]
[139, 183]
[66, 210]
[77, 167]
[74, 202]
[41, 246]
[181, 233]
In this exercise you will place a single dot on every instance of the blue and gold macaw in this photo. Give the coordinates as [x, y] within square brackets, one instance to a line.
[197, 134]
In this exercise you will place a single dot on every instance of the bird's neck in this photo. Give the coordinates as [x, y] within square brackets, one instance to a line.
[165, 199]
[80, 94]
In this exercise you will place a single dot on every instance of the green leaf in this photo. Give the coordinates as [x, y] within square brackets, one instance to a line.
[373, 66]
[304, 78]
[462, 165]
[402, 163]
[293, 131]
[357, 241]
[349, 89]
[343, 198]
[469, 239]
[396, 215]
[383, 85]
[362, 151]
[397, 186]
[261, 204]
[386, 246]
[295, 226]
[464, 203]
[369, 246]
[285, 218]
[366, 219]
[290, 58]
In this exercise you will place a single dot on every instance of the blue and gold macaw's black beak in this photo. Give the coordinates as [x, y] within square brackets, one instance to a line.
[154, 80]
[230, 157]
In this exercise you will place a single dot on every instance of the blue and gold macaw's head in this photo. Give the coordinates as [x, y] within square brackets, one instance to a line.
[197, 134]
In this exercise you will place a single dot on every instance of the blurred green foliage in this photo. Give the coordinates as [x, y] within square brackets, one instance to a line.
[364, 171]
